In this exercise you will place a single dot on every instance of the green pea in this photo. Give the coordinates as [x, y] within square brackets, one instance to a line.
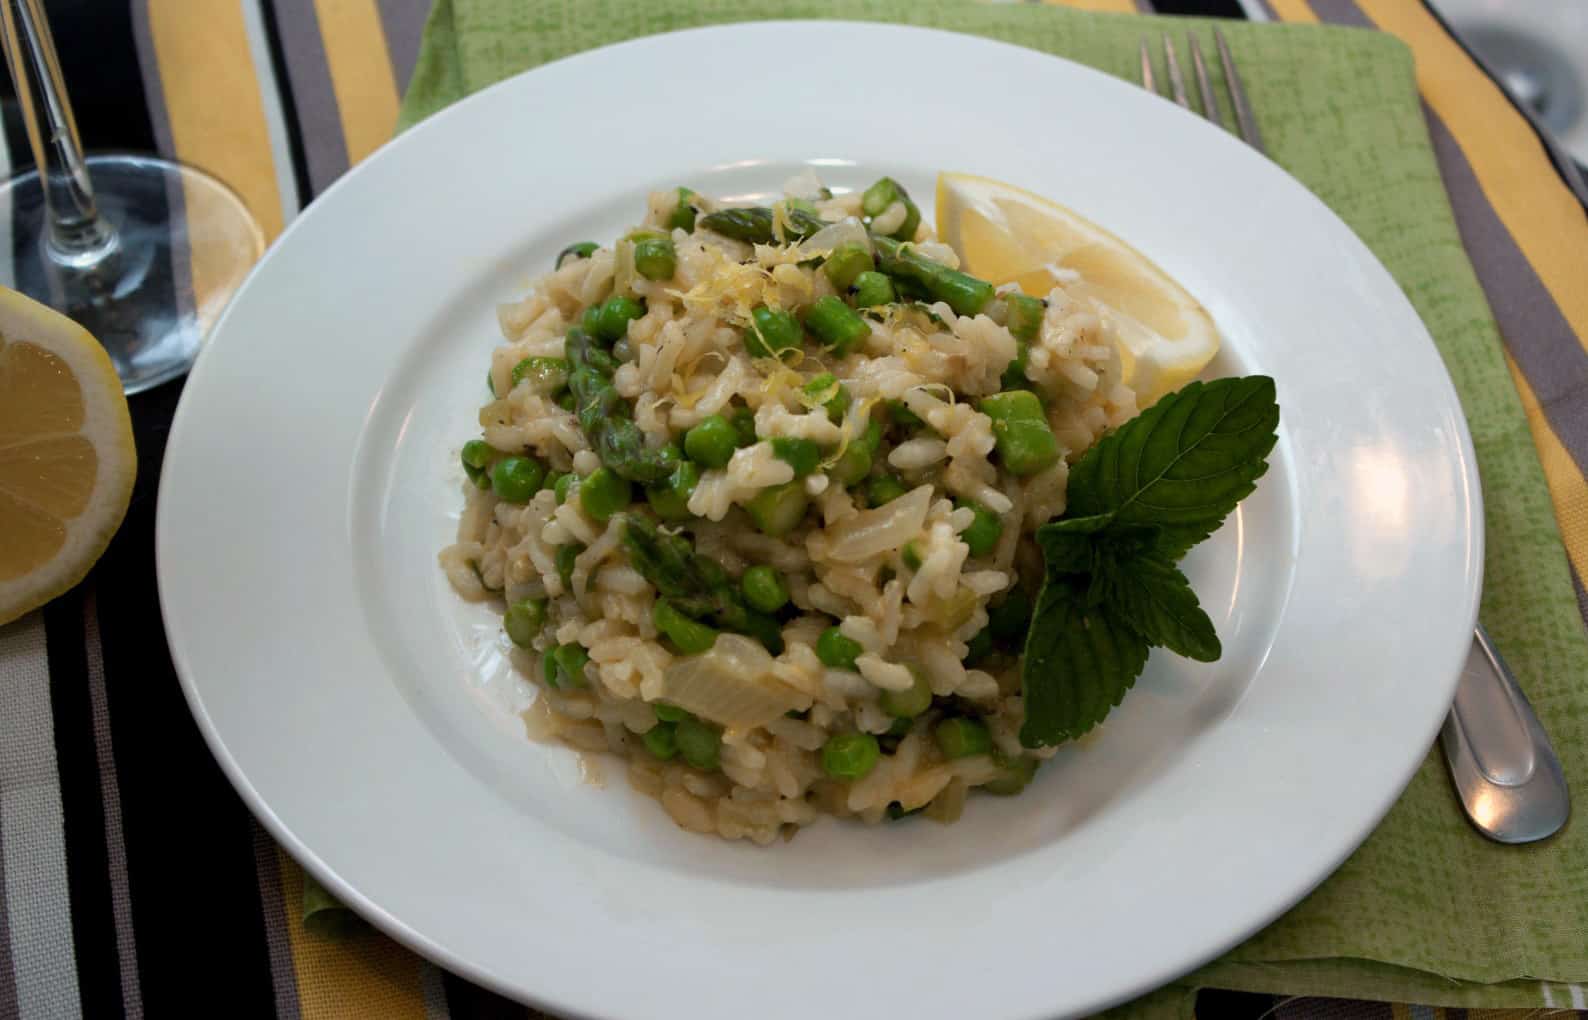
[545, 375]
[884, 489]
[983, 534]
[778, 510]
[523, 621]
[1008, 619]
[613, 317]
[580, 250]
[565, 665]
[670, 499]
[516, 479]
[604, 493]
[683, 215]
[764, 588]
[711, 442]
[909, 703]
[566, 401]
[655, 259]
[669, 713]
[1025, 443]
[850, 756]
[699, 743]
[1024, 318]
[566, 554]
[846, 262]
[872, 289]
[743, 422]
[689, 636]
[911, 555]
[836, 650]
[960, 737]
[564, 486]
[827, 389]
[803, 455]
[477, 453]
[773, 333]
[476, 456]
[854, 463]
[661, 741]
[900, 726]
[590, 319]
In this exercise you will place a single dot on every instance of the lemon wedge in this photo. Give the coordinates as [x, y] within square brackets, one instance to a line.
[67, 459]
[1006, 234]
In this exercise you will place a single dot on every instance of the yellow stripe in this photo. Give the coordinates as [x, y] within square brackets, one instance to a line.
[212, 102]
[1294, 10]
[1568, 491]
[361, 74]
[1540, 213]
[364, 975]
[1108, 6]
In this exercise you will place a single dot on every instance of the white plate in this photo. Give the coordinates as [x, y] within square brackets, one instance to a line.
[311, 478]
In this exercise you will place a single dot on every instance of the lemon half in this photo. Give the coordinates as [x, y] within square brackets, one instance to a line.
[1006, 234]
[67, 460]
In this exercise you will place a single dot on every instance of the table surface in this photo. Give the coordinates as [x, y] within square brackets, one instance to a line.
[132, 879]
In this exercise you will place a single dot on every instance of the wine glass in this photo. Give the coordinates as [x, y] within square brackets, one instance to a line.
[142, 252]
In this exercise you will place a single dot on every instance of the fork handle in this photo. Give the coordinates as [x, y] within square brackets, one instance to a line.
[1500, 758]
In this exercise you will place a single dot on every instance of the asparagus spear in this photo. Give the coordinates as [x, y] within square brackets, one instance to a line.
[606, 418]
[963, 293]
[754, 224]
[695, 585]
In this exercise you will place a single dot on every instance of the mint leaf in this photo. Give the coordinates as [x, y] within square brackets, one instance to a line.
[1155, 598]
[1079, 662]
[1184, 463]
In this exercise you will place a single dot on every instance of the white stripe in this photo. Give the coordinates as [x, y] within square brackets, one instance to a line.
[1254, 10]
[110, 794]
[1549, 994]
[275, 117]
[1578, 1001]
[433, 991]
[38, 905]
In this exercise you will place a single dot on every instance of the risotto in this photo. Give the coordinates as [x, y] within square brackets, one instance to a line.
[756, 489]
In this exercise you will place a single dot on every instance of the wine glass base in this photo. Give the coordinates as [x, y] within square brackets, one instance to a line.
[183, 244]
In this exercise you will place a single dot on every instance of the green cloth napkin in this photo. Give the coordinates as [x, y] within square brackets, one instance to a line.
[1426, 911]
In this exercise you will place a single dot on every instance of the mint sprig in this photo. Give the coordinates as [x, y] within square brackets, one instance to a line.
[1138, 501]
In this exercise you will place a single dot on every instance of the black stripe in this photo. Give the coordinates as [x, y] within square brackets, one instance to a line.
[466, 1001]
[289, 106]
[82, 810]
[189, 840]
[100, 65]
[1200, 8]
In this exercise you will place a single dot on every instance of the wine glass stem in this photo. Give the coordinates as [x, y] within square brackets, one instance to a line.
[78, 236]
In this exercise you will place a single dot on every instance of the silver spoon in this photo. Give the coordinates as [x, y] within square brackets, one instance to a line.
[1504, 768]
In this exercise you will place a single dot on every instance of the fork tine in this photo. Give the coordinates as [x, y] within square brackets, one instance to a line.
[1210, 106]
[1176, 82]
[1243, 109]
[1147, 81]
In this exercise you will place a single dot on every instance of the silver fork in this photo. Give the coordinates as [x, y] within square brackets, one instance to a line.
[1507, 774]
